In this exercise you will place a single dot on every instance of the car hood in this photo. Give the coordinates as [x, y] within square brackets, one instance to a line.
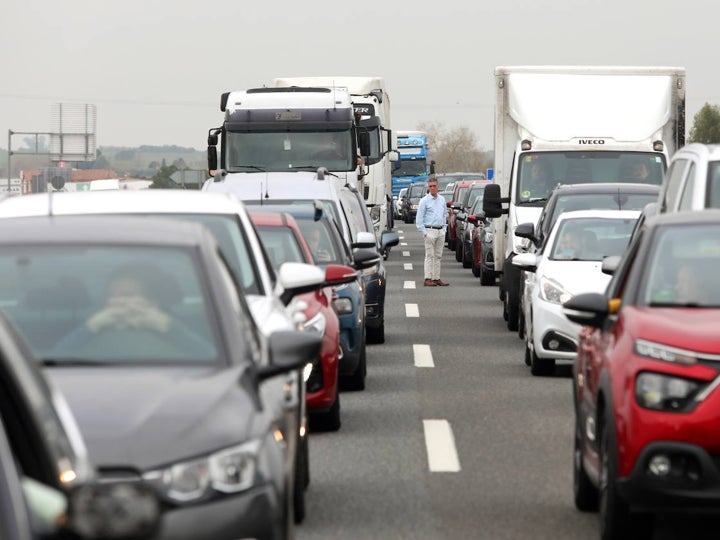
[144, 417]
[577, 276]
[694, 329]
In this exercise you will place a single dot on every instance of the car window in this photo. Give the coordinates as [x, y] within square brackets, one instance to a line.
[327, 242]
[108, 304]
[713, 186]
[683, 267]
[688, 190]
[674, 179]
[591, 239]
[280, 244]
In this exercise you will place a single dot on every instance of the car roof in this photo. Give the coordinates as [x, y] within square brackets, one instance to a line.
[696, 217]
[123, 201]
[105, 229]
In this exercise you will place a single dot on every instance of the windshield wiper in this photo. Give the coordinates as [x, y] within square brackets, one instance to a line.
[70, 361]
[257, 168]
[534, 200]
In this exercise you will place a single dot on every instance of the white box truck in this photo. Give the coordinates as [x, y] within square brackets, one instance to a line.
[574, 124]
[371, 102]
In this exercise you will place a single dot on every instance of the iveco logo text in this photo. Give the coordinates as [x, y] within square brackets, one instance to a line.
[591, 141]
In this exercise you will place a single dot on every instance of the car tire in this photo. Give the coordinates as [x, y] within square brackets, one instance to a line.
[487, 277]
[521, 322]
[466, 262]
[458, 250]
[476, 270]
[616, 521]
[356, 381]
[299, 486]
[584, 492]
[330, 420]
[541, 367]
[451, 244]
[511, 308]
[376, 335]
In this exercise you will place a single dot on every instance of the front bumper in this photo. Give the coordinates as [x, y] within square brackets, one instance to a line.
[257, 513]
[374, 300]
[693, 484]
[554, 336]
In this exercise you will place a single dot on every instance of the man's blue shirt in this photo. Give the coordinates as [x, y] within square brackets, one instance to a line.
[432, 212]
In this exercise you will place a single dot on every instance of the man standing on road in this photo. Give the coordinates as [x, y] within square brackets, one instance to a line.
[431, 221]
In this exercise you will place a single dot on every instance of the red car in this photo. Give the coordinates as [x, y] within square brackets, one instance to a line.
[459, 204]
[283, 242]
[646, 378]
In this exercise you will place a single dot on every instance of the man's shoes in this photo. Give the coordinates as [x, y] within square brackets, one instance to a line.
[430, 283]
[440, 283]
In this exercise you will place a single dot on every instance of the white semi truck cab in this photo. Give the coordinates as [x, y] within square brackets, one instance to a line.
[371, 105]
[571, 124]
[281, 130]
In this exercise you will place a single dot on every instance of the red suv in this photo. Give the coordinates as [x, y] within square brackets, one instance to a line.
[283, 241]
[646, 378]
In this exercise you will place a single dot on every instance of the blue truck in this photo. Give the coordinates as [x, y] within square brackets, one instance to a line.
[412, 147]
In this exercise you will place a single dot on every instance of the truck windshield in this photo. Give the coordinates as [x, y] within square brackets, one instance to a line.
[274, 151]
[540, 172]
[417, 167]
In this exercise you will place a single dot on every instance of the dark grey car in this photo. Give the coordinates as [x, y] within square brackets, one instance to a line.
[140, 324]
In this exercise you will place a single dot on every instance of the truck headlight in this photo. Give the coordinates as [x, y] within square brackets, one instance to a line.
[227, 471]
[665, 392]
[375, 213]
[553, 292]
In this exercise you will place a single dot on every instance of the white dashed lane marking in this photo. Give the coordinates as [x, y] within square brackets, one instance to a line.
[440, 445]
[423, 356]
[409, 285]
[407, 266]
[406, 253]
[411, 310]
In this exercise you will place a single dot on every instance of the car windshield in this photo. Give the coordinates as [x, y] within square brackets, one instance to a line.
[683, 267]
[540, 172]
[97, 304]
[599, 201]
[281, 245]
[591, 239]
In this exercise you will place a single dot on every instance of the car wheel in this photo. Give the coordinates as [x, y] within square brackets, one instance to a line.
[376, 335]
[330, 420]
[585, 493]
[616, 521]
[511, 308]
[458, 250]
[541, 366]
[521, 322]
[356, 381]
[476, 270]
[528, 353]
[451, 244]
[300, 484]
[466, 262]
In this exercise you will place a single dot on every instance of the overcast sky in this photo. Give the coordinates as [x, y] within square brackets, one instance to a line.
[155, 69]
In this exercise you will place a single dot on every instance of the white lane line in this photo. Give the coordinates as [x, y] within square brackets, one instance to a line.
[440, 445]
[400, 231]
[409, 285]
[401, 237]
[403, 243]
[407, 266]
[423, 356]
[406, 253]
[411, 310]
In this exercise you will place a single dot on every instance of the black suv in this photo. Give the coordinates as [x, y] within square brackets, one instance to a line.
[415, 192]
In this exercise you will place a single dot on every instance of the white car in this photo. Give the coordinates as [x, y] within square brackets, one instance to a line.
[569, 263]
[269, 295]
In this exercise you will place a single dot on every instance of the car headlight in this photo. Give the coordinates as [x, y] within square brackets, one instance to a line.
[665, 392]
[551, 291]
[657, 351]
[227, 471]
[413, 207]
[370, 271]
[489, 237]
[342, 306]
[315, 325]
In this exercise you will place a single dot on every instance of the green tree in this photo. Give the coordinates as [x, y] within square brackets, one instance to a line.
[706, 125]
[162, 179]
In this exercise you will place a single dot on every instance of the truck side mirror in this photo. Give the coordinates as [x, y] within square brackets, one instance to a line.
[364, 143]
[492, 202]
[212, 158]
